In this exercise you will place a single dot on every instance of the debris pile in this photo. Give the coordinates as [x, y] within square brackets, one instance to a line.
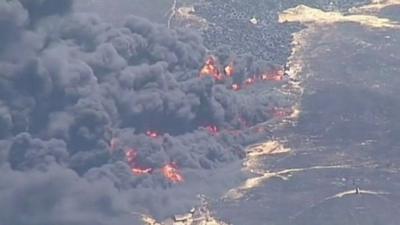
[197, 216]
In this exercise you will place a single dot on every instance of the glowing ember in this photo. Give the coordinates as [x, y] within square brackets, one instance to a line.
[130, 155]
[235, 87]
[152, 134]
[171, 172]
[276, 75]
[210, 69]
[229, 70]
[264, 77]
[212, 129]
[250, 81]
[141, 171]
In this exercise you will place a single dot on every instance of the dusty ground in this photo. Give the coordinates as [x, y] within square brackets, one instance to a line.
[342, 168]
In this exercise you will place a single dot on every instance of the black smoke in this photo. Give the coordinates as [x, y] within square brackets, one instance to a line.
[69, 83]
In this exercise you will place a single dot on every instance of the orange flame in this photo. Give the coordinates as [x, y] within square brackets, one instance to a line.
[210, 68]
[171, 172]
[229, 70]
[264, 77]
[235, 87]
[212, 129]
[250, 81]
[276, 75]
[152, 134]
[130, 155]
[141, 171]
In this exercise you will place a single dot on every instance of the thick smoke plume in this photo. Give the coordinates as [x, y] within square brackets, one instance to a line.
[76, 93]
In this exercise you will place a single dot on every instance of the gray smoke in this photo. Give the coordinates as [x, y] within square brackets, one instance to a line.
[69, 83]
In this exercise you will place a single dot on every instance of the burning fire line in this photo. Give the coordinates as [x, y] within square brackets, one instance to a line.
[250, 80]
[229, 69]
[212, 68]
[152, 134]
[275, 75]
[272, 76]
[131, 156]
[141, 171]
[212, 129]
[236, 87]
[171, 172]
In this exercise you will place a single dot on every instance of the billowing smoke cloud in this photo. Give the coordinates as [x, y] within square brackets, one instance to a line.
[70, 84]
[51, 196]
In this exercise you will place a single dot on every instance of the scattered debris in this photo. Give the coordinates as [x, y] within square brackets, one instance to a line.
[197, 216]
[185, 16]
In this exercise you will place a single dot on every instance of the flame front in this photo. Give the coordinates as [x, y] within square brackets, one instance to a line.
[212, 129]
[276, 75]
[229, 70]
[235, 87]
[210, 68]
[213, 69]
[131, 155]
[171, 172]
[152, 134]
[250, 81]
[141, 171]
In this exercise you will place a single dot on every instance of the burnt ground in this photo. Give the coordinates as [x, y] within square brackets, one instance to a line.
[350, 118]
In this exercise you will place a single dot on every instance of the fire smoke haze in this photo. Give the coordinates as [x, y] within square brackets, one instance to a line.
[98, 121]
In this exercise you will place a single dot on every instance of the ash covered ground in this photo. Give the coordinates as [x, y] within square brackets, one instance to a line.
[105, 117]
